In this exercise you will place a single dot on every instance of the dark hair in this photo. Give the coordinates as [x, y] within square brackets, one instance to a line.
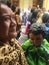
[45, 17]
[36, 28]
[34, 13]
[13, 8]
[8, 4]
[33, 16]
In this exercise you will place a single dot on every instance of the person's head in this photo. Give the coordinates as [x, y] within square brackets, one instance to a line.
[45, 18]
[35, 13]
[7, 23]
[36, 34]
[33, 16]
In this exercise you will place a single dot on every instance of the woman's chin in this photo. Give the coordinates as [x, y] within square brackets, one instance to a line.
[13, 35]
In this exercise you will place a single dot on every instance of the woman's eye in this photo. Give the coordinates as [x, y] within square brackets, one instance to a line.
[6, 18]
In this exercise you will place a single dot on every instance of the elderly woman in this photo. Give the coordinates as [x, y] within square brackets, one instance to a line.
[36, 47]
[11, 52]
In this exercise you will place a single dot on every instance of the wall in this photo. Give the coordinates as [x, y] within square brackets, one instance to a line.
[24, 4]
[46, 4]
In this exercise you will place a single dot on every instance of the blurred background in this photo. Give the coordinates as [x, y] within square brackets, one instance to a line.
[25, 4]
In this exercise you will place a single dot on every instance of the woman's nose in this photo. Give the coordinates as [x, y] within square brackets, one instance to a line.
[13, 21]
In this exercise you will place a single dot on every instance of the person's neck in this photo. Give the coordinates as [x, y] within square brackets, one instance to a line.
[3, 41]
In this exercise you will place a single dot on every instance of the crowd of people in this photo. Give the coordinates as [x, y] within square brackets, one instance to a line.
[23, 40]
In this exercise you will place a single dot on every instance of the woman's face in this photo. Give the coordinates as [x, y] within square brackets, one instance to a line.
[36, 39]
[7, 23]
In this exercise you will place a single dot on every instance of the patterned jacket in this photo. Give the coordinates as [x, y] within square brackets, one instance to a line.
[12, 54]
